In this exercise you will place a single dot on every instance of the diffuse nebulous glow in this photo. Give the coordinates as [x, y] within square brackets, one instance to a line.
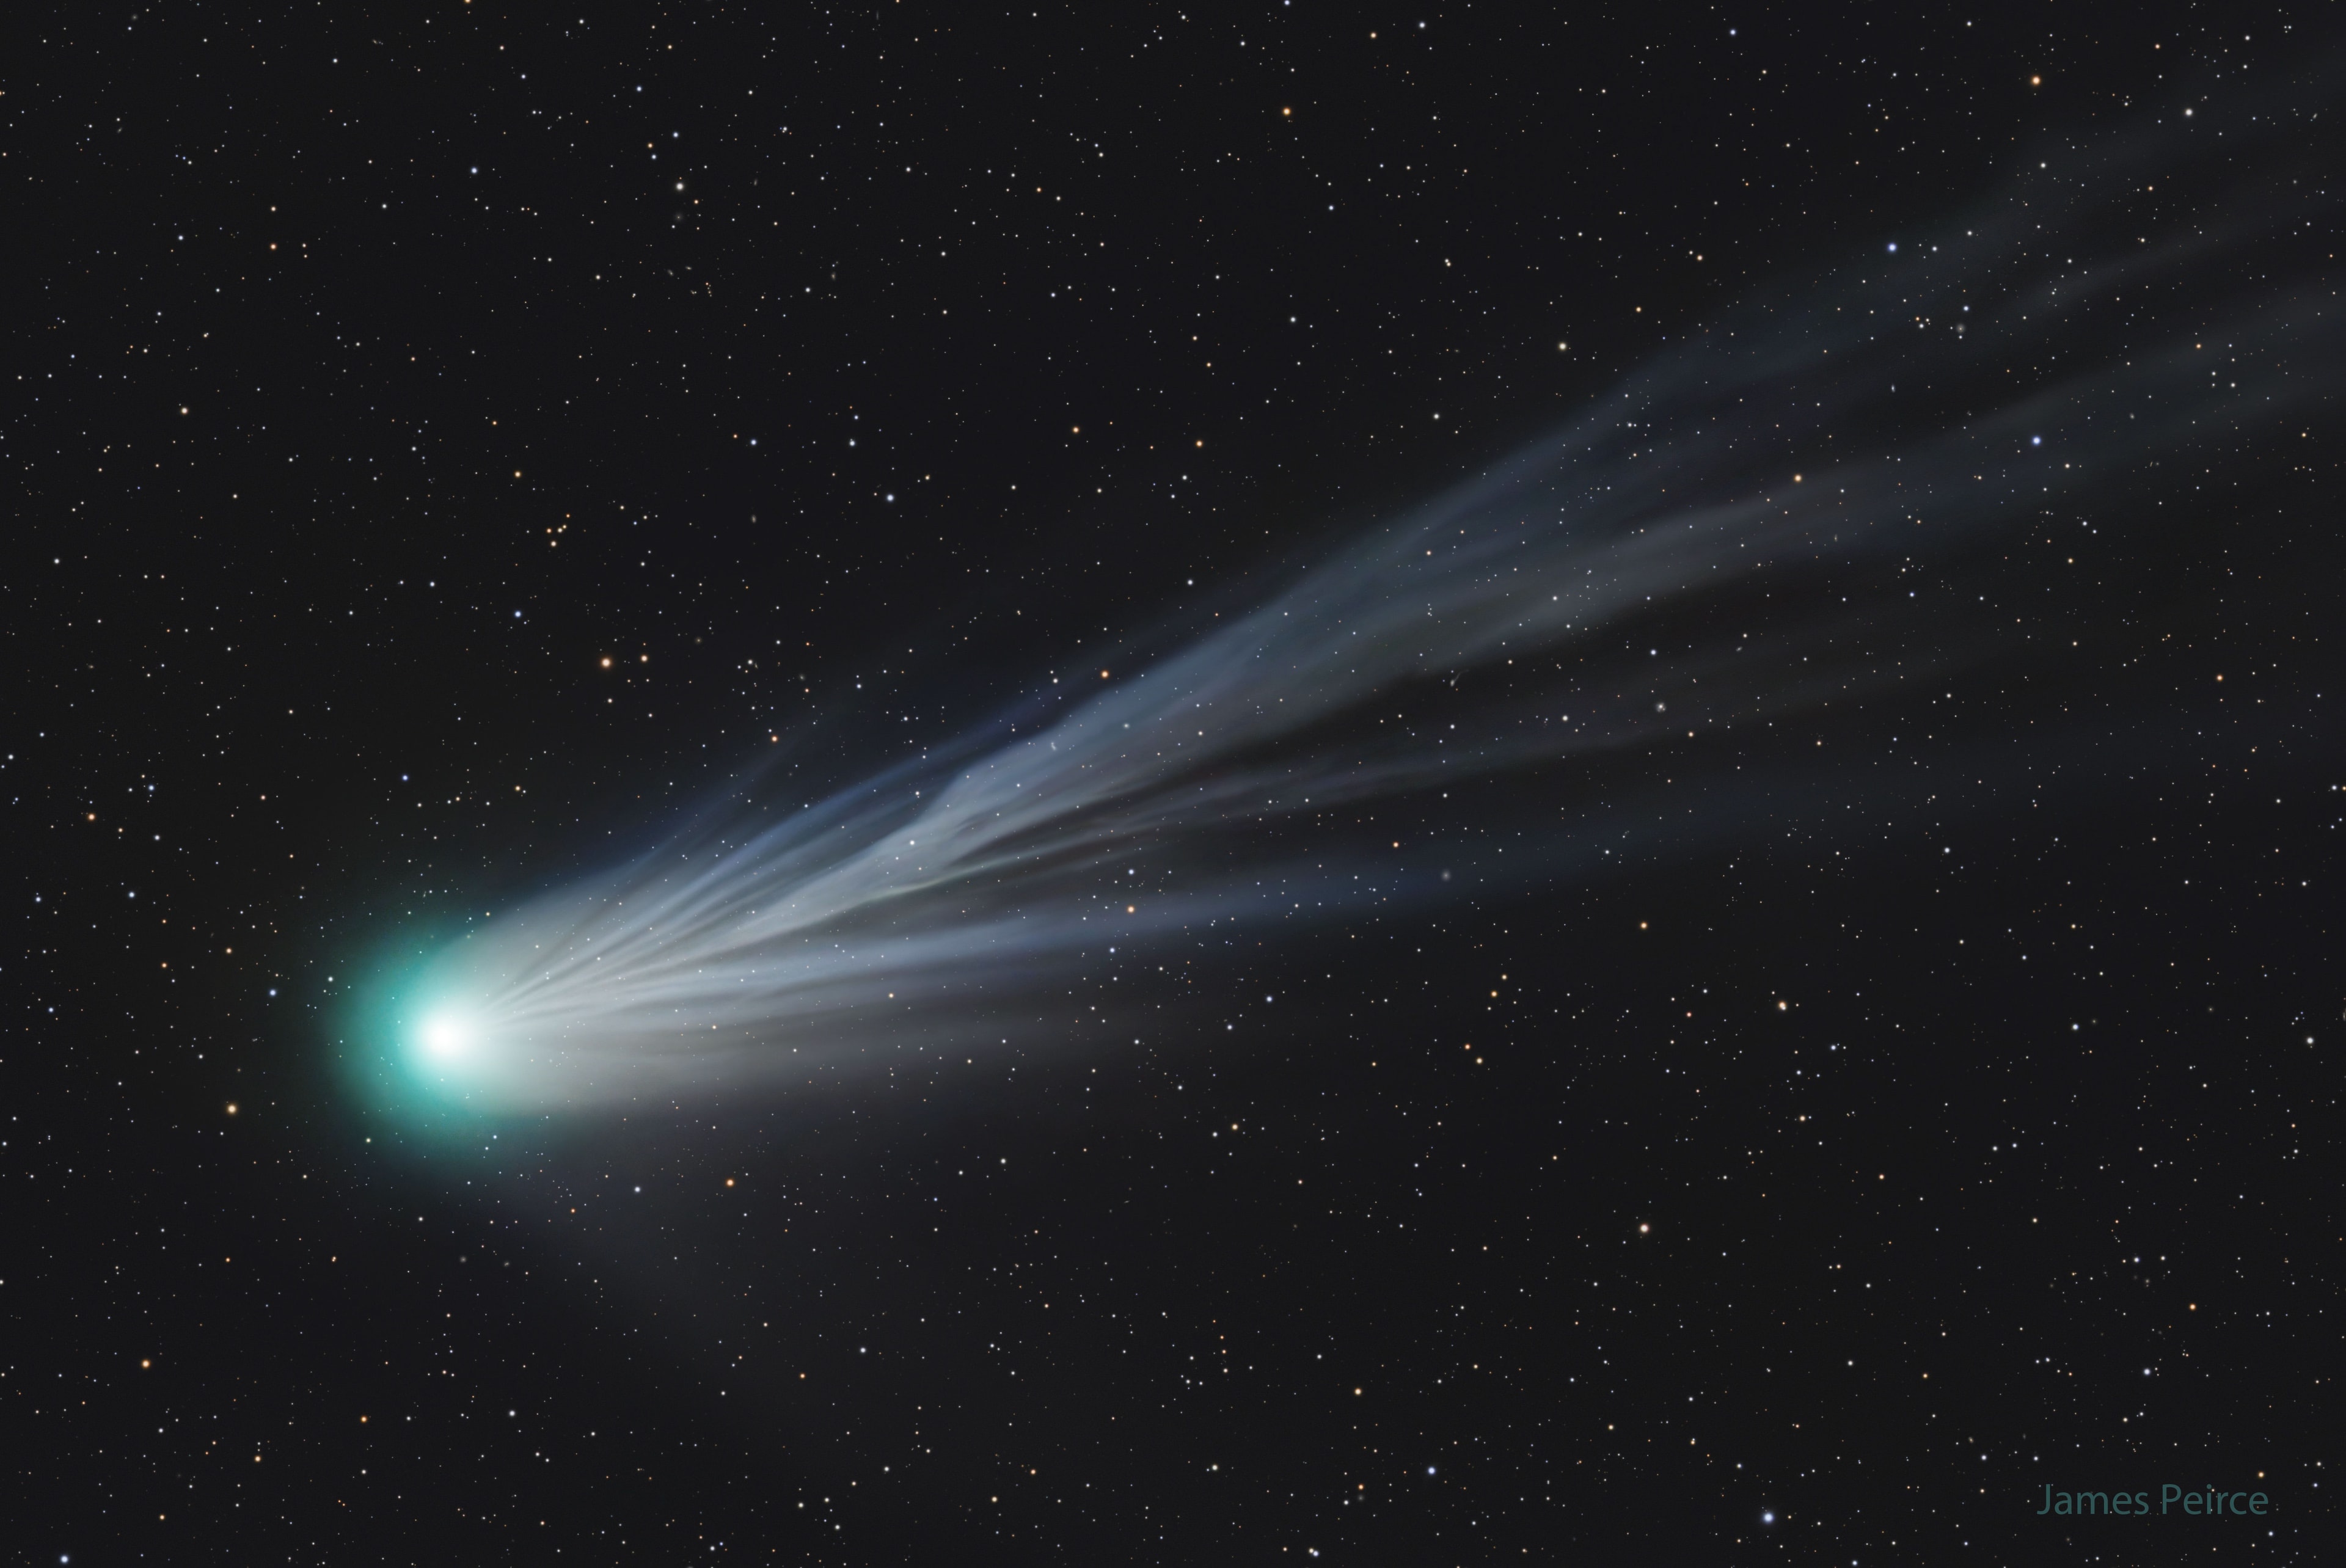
[1869, 424]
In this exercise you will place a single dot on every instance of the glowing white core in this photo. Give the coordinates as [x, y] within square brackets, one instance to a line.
[444, 1036]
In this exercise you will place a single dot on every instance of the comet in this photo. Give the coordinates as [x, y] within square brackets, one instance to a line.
[1797, 523]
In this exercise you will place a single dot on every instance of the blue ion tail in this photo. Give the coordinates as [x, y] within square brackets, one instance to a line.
[1784, 515]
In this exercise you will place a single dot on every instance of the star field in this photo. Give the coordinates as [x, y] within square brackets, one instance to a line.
[445, 449]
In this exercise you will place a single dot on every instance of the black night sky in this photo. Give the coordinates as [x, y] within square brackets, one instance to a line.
[451, 451]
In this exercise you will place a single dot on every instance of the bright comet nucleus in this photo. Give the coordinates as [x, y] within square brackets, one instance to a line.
[443, 1036]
